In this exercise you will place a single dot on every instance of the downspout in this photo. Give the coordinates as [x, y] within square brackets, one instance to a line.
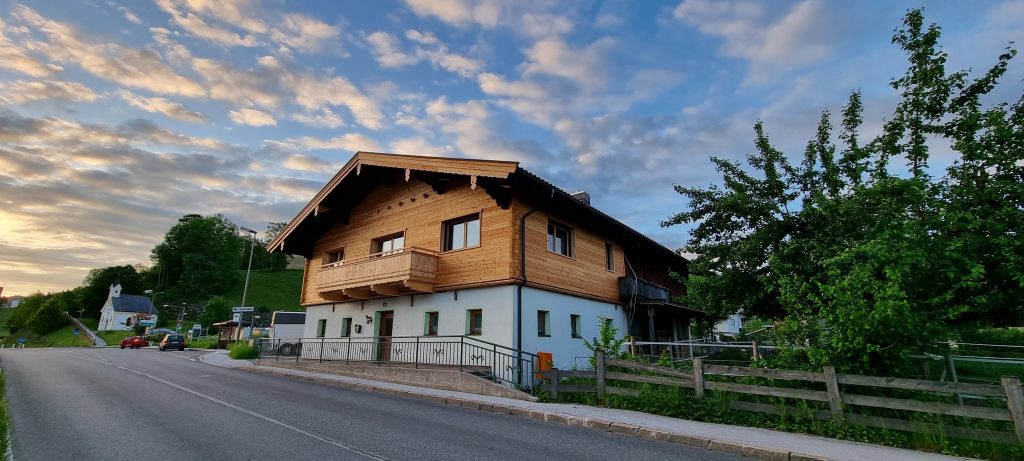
[522, 272]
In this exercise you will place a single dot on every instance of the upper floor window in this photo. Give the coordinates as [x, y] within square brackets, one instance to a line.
[560, 239]
[462, 232]
[389, 243]
[609, 256]
[334, 257]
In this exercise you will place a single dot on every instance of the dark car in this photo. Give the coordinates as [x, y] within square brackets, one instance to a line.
[133, 342]
[172, 342]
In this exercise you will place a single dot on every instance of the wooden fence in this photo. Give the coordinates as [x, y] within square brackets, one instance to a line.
[838, 400]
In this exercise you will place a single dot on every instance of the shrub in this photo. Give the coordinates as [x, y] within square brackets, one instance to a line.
[243, 351]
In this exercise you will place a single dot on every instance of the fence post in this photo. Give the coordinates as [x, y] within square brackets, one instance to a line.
[952, 375]
[698, 377]
[835, 401]
[554, 383]
[601, 370]
[322, 350]
[462, 347]
[757, 355]
[348, 350]
[299, 355]
[416, 362]
[1015, 403]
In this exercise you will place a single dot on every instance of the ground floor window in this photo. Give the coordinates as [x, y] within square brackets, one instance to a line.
[576, 325]
[543, 323]
[346, 327]
[321, 328]
[474, 322]
[430, 323]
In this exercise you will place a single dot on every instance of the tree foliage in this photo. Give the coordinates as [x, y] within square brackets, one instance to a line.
[864, 259]
[199, 256]
[217, 310]
[96, 286]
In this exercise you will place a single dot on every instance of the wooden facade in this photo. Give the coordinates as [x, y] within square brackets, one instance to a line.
[380, 196]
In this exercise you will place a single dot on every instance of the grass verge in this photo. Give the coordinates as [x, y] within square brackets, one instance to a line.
[243, 351]
[4, 422]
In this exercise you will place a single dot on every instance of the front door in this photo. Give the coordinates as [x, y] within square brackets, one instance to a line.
[384, 326]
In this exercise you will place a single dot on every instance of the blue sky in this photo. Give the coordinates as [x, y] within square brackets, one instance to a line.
[118, 117]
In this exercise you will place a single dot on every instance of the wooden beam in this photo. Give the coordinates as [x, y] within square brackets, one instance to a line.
[334, 296]
[387, 289]
[422, 287]
[358, 293]
[499, 191]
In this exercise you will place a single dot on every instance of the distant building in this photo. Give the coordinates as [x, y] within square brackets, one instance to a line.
[730, 326]
[14, 301]
[122, 311]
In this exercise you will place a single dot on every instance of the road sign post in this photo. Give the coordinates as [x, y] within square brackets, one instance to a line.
[237, 318]
[75, 332]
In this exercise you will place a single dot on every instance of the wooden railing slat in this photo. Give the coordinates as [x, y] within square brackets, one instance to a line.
[794, 375]
[987, 390]
[820, 396]
[644, 367]
[998, 414]
[677, 382]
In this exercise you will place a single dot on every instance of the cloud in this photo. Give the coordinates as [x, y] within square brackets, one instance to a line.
[314, 94]
[304, 33]
[195, 25]
[310, 164]
[771, 45]
[584, 66]
[13, 57]
[252, 117]
[260, 86]
[416, 146]
[162, 106]
[24, 92]
[323, 118]
[485, 13]
[387, 51]
[132, 67]
[351, 142]
[131, 17]
[542, 24]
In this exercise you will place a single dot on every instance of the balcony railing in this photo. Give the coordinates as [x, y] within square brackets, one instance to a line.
[391, 273]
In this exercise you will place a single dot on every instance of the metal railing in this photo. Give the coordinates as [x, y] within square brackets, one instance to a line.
[498, 363]
[734, 353]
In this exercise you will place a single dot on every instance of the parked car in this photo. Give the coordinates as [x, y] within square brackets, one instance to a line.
[172, 342]
[134, 342]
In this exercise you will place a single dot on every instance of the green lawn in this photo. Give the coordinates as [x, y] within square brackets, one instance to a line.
[114, 337]
[276, 290]
[60, 338]
[92, 324]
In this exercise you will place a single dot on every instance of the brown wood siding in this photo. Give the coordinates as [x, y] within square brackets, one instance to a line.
[414, 208]
[582, 274]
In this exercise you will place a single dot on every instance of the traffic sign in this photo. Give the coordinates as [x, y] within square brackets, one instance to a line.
[21, 340]
[147, 323]
[76, 332]
[237, 318]
[242, 309]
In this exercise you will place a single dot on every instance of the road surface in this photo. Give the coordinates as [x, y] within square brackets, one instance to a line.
[84, 403]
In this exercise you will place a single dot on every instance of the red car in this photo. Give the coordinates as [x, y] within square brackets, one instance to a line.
[134, 342]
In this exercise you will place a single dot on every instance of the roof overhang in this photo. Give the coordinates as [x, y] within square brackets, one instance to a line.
[671, 305]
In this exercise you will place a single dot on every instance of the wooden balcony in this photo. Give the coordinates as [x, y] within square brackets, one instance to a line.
[392, 273]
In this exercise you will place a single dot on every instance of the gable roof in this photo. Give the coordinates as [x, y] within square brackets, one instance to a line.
[500, 179]
[133, 303]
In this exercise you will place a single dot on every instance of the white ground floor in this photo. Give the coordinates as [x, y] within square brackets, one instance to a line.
[551, 322]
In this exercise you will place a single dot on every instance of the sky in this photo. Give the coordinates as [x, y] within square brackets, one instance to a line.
[119, 117]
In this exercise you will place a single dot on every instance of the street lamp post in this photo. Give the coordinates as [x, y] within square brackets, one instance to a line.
[152, 301]
[245, 289]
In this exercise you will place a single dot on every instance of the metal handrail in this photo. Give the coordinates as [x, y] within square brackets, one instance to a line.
[490, 360]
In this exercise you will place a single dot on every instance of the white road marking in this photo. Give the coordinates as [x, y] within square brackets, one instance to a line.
[232, 406]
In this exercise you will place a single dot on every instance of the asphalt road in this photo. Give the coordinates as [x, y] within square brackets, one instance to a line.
[108, 404]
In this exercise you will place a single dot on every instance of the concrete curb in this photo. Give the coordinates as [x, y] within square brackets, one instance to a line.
[687, 440]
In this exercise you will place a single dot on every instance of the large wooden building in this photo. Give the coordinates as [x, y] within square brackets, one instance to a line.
[400, 245]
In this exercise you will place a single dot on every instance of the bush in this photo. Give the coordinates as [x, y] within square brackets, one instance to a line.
[243, 351]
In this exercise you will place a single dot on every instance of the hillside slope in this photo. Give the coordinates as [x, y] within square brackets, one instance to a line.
[275, 290]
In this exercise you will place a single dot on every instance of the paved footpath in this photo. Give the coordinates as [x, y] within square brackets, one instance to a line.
[749, 441]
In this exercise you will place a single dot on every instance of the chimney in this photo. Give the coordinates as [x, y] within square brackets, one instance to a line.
[582, 196]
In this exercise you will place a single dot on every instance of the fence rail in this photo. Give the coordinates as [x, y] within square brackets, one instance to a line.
[704, 377]
[492, 361]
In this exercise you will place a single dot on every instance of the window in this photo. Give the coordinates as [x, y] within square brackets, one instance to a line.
[609, 256]
[430, 324]
[346, 327]
[334, 257]
[543, 323]
[321, 328]
[559, 239]
[462, 232]
[474, 322]
[576, 325]
[389, 243]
